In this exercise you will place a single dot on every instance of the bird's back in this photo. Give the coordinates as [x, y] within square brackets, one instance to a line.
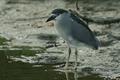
[75, 32]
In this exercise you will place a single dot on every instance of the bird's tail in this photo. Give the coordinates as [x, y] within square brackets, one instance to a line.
[97, 43]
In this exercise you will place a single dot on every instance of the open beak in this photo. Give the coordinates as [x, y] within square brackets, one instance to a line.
[51, 18]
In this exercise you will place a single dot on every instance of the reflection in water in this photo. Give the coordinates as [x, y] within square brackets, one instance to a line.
[75, 75]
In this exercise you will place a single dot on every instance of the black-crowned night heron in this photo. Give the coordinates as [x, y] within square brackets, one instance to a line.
[74, 31]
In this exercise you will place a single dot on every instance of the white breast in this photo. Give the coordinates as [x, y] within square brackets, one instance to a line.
[63, 25]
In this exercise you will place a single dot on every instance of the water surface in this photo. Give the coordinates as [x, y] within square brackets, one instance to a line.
[12, 70]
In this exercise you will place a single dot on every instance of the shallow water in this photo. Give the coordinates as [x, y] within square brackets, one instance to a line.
[16, 70]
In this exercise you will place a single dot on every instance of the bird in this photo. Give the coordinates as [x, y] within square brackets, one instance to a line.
[74, 31]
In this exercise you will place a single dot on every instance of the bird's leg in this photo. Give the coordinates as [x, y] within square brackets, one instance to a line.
[75, 75]
[76, 55]
[67, 75]
[68, 57]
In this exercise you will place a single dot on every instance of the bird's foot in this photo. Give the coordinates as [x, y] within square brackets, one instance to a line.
[70, 68]
[66, 68]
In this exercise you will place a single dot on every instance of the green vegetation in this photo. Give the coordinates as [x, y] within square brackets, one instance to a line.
[22, 47]
[18, 53]
[42, 49]
[25, 50]
[3, 41]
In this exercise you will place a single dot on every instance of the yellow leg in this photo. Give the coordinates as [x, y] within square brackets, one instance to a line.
[76, 55]
[68, 57]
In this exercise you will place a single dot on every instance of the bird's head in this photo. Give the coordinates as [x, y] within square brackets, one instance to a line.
[55, 13]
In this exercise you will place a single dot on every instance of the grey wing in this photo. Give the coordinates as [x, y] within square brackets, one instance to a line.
[84, 35]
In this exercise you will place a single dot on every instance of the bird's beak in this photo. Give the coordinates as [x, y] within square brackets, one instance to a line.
[52, 17]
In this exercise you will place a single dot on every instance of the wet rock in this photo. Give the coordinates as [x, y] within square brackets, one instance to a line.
[51, 37]
[87, 70]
